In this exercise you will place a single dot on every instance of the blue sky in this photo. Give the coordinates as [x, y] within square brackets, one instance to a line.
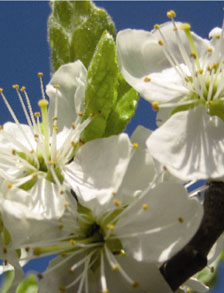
[24, 49]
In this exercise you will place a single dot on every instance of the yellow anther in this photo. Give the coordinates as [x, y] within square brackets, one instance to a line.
[193, 54]
[43, 103]
[23, 88]
[37, 114]
[135, 145]
[212, 269]
[185, 26]
[209, 68]
[9, 186]
[113, 193]
[171, 14]
[210, 50]
[145, 206]
[66, 204]
[217, 36]
[105, 291]
[156, 26]
[214, 66]
[1, 90]
[80, 114]
[73, 125]
[91, 115]
[181, 220]
[55, 118]
[72, 242]
[201, 71]
[35, 175]
[62, 288]
[62, 192]
[27, 249]
[134, 284]
[117, 203]
[55, 127]
[147, 79]
[14, 152]
[60, 227]
[5, 262]
[188, 290]
[1, 127]
[37, 251]
[15, 86]
[110, 227]
[73, 143]
[187, 79]
[51, 162]
[160, 42]
[175, 28]
[40, 74]
[116, 267]
[81, 142]
[155, 105]
[56, 86]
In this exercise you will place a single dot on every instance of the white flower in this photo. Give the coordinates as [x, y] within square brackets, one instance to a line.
[34, 156]
[182, 75]
[123, 242]
[114, 225]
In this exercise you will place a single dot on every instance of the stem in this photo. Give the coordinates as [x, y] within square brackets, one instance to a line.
[193, 257]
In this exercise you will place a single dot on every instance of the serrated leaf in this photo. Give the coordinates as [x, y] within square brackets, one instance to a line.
[101, 94]
[124, 109]
[30, 285]
[74, 29]
[7, 282]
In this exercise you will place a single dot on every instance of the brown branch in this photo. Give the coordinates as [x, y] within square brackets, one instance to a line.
[193, 257]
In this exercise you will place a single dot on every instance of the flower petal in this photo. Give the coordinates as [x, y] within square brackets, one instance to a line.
[71, 78]
[190, 144]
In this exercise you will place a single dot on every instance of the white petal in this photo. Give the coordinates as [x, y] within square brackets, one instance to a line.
[165, 219]
[196, 285]
[70, 77]
[190, 144]
[99, 167]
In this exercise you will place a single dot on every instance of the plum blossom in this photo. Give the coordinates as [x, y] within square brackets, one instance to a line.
[182, 75]
[33, 156]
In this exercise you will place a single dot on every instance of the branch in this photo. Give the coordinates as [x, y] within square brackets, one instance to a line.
[193, 257]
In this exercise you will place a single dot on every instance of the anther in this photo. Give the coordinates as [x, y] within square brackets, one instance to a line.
[56, 86]
[5, 262]
[210, 50]
[116, 267]
[55, 118]
[160, 42]
[73, 125]
[9, 186]
[62, 192]
[4, 250]
[62, 288]
[53, 163]
[40, 74]
[15, 86]
[55, 127]
[66, 204]
[217, 36]
[145, 206]
[117, 203]
[80, 114]
[156, 26]
[105, 291]
[193, 55]
[110, 227]
[135, 284]
[23, 88]
[1, 127]
[1, 90]
[212, 269]
[135, 145]
[72, 241]
[13, 152]
[147, 79]
[40, 276]
[27, 249]
[181, 220]
[37, 114]
[171, 14]
[113, 193]
[60, 227]
[91, 115]
[155, 105]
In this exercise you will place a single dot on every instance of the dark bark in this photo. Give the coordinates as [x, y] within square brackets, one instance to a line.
[193, 257]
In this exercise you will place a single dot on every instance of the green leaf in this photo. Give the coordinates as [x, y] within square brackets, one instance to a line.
[30, 285]
[9, 277]
[216, 108]
[74, 29]
[123, 110]
[102, 81]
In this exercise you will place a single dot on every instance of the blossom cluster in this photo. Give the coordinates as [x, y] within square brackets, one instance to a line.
[114, 209]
